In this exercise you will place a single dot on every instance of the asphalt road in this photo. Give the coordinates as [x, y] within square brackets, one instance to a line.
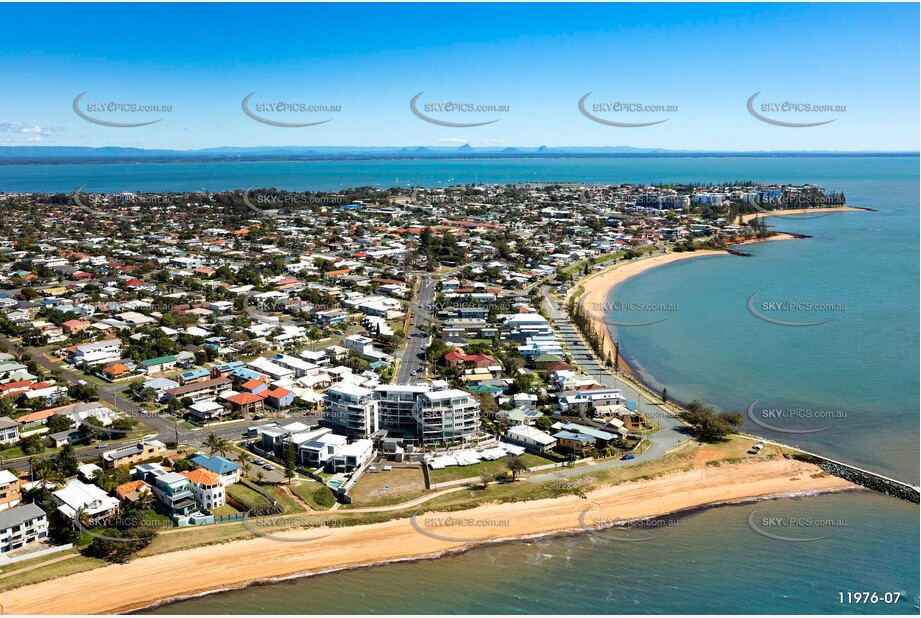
[164, 427]
[416, 339]
[671, 431]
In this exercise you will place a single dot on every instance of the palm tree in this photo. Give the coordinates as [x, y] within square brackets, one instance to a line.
[223, 447]
[243, 457]
[259, 476]
[145, 499]
[212, 443]
[217, 445]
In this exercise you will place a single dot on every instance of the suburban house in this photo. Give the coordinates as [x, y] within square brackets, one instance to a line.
[89, 354]
[207, 487]
[226, 470]
[132, 454]
[199, 390]
[574, 442]
[207, 410]
[132, 491]
[80, 411]
[160, 364]
[532, 438]
[317, 451]
[245, 403]
[22, 525]
[10, 494]
[160, 385]
[71, 327]
[174, 493]
[77, 496]
[279, 398]
[351, 456]
[9, 430]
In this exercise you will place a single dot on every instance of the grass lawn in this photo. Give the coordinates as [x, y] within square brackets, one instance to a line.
[386, 488]
[224, 510]
[286, 501]
[246, 496]
[305, 490]
[23, 576]
[453, 473]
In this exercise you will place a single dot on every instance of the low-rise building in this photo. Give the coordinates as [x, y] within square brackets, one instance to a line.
[132, 454]
[226, 470]
[10, 492]
[207, 487]
[9, 430]
[21, 526]
[532, 438]
[78, 496]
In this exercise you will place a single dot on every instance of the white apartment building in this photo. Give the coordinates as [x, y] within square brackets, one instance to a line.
[426, 413]
[351, 409]
[22, 525]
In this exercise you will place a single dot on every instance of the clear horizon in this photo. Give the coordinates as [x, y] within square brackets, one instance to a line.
[697, 65]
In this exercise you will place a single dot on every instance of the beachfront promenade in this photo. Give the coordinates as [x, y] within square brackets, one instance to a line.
[672, 432]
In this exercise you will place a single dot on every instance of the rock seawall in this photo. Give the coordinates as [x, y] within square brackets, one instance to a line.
[870, 480]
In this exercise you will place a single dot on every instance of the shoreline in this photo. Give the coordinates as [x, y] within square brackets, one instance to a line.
[800, 211]
[687, 512]
[149, 581]
[598, 287]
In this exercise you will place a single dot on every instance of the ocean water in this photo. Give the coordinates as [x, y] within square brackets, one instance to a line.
[854, 378]
[864, 364]
[708, 561]
[335, 175]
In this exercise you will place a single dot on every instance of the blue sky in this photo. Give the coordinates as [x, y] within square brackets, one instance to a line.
[539, 60]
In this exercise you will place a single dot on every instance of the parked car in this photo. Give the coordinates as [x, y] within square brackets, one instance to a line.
[629, 456]
[268, 467]
[101, 445]
[259, 461]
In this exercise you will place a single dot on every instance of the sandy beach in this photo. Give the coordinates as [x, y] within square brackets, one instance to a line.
[145, 581]
[597, 287]
[799, 211]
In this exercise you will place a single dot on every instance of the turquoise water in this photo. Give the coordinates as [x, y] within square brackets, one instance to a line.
[864, 363]
[710, 561]
[334, 175]
[860, 370]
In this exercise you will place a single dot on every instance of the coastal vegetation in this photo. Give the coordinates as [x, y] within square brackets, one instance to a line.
[710, 425]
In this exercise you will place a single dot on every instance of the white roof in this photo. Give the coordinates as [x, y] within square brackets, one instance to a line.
[7, 477]
[523, 432]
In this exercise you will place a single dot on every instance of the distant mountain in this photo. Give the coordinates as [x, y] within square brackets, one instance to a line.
[113, 154]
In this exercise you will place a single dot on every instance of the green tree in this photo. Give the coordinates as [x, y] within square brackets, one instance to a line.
[516, 465]
[324, 497]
